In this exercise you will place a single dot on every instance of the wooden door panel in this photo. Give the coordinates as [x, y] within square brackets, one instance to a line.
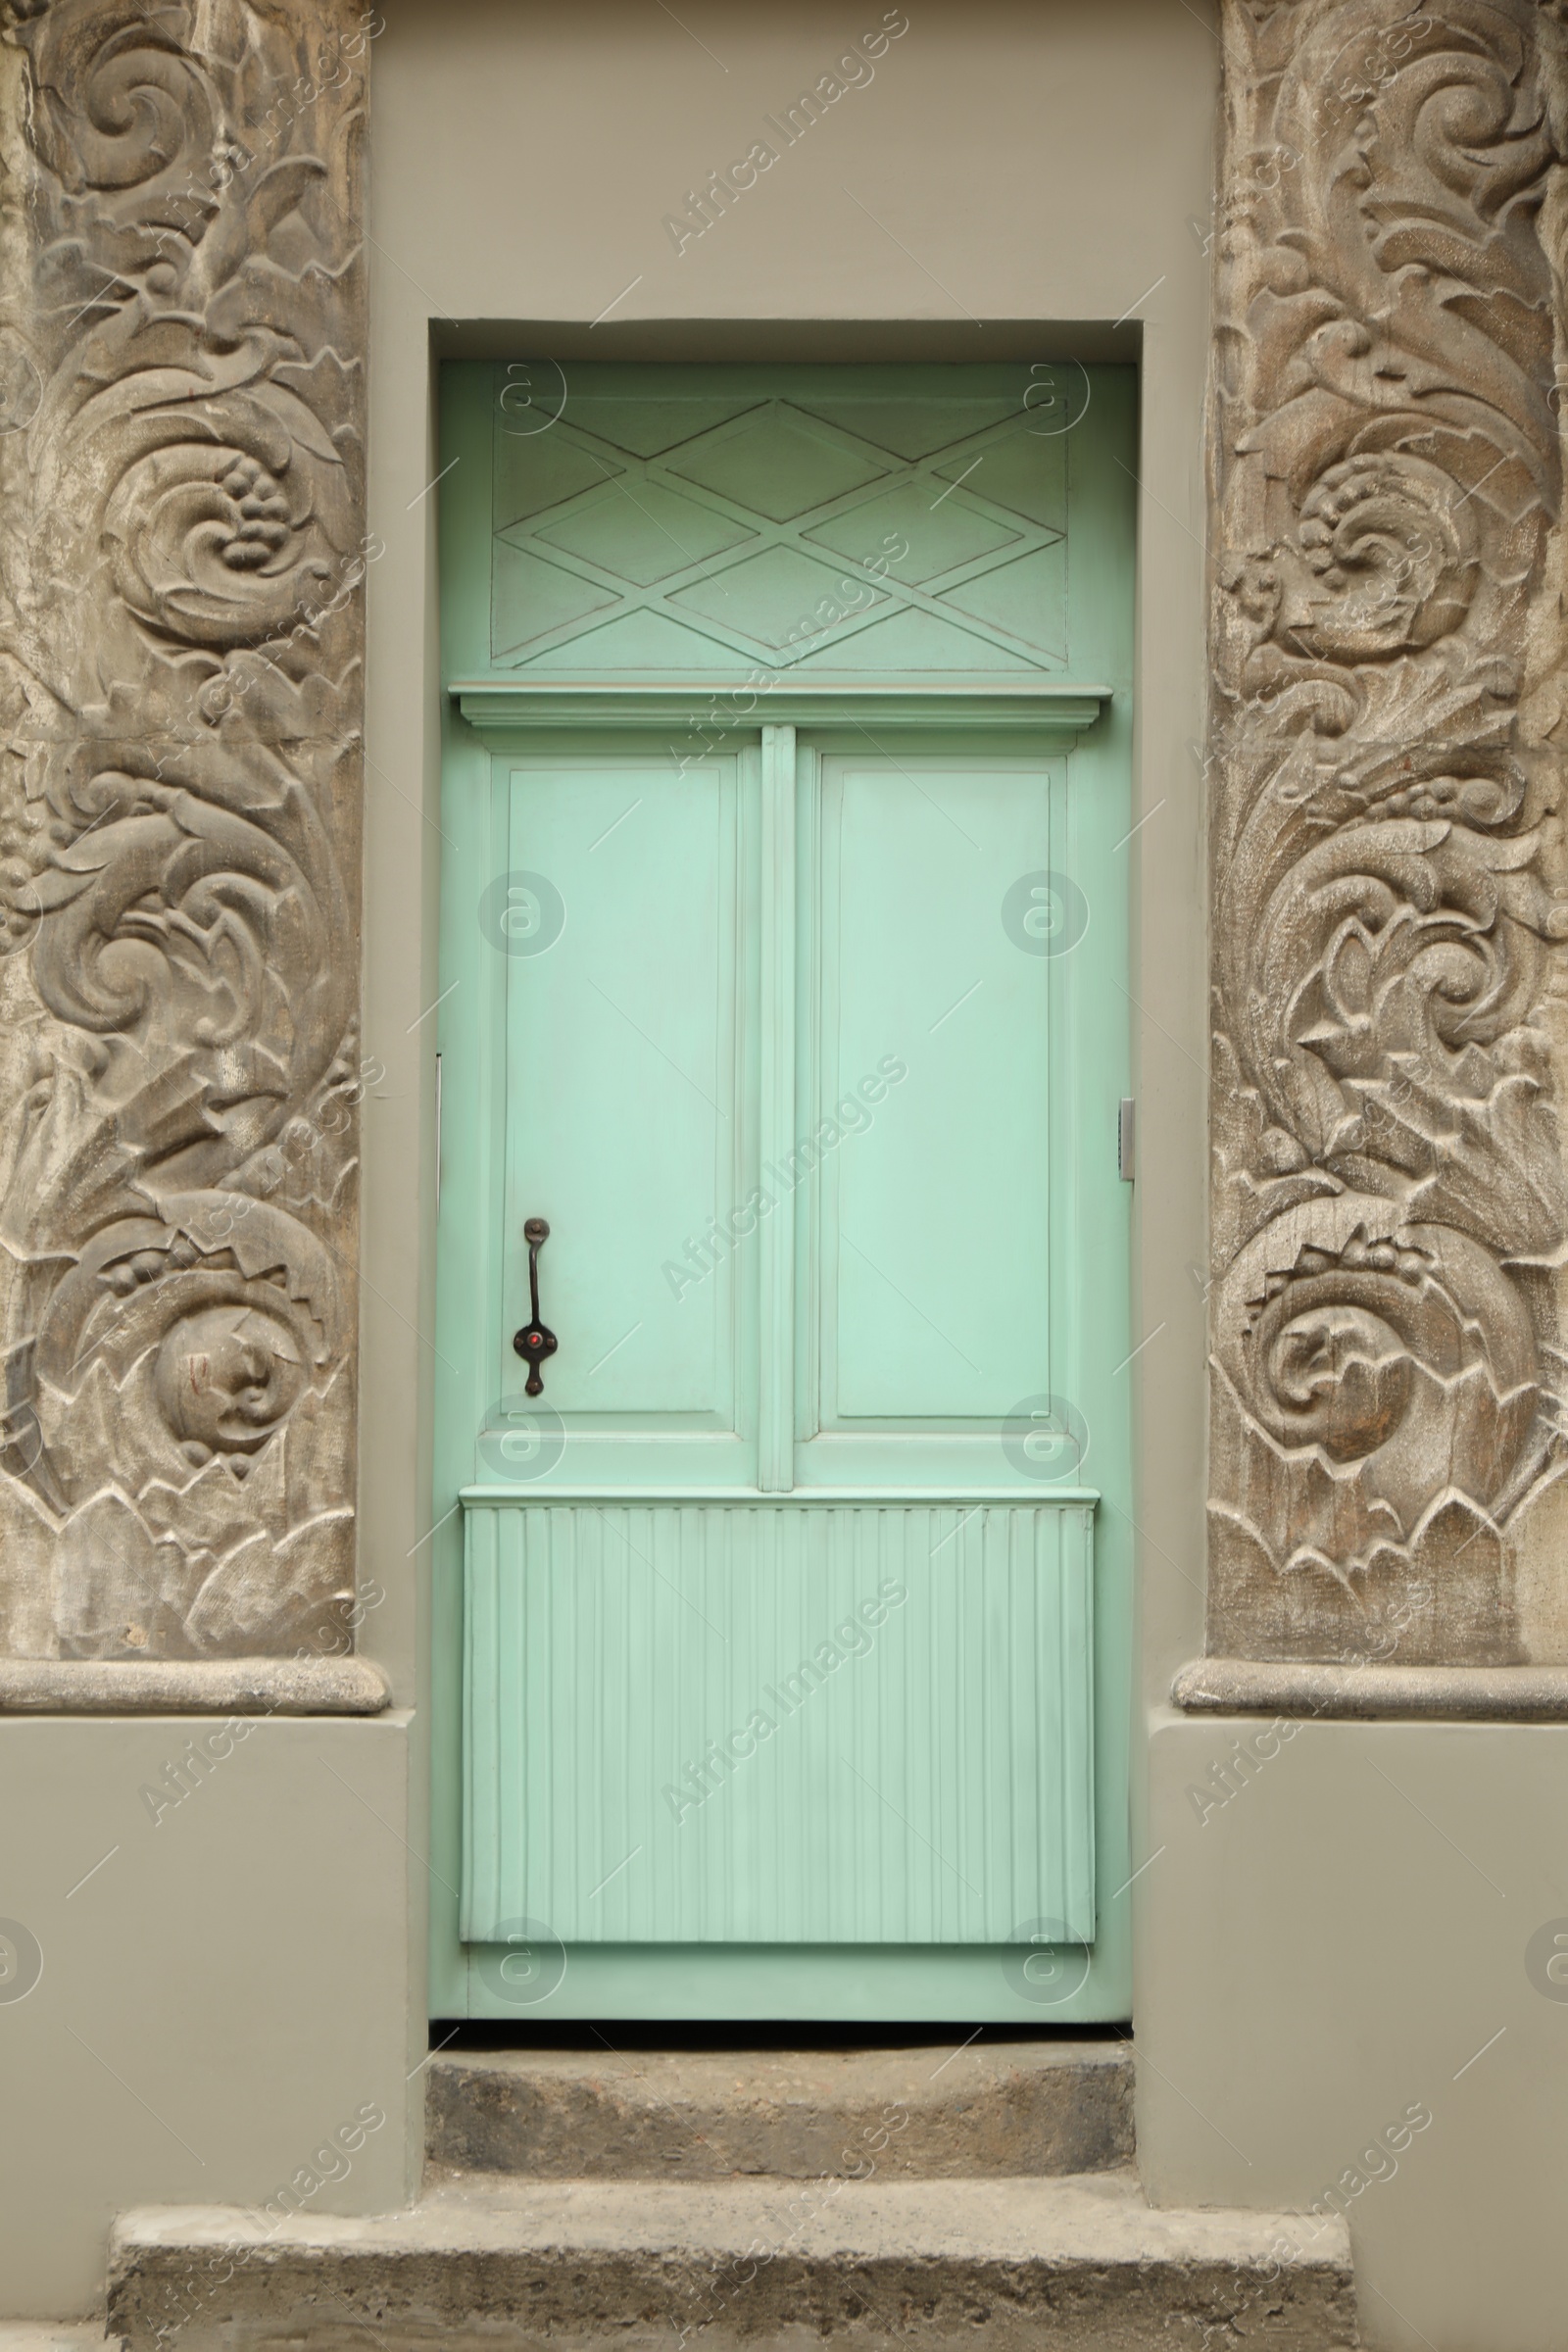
[779, 1722]
[630, 1077]
[935, 1290]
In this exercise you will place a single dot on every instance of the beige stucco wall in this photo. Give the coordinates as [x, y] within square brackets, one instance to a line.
[223, 1985]
[1345, 1936]
[1311, 1954]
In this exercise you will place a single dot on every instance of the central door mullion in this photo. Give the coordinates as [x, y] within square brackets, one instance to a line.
[776, 1442]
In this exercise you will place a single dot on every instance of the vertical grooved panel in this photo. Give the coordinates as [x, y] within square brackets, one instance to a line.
[778, 1721]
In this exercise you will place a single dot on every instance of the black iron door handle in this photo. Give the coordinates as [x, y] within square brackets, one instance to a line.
[535, 1340]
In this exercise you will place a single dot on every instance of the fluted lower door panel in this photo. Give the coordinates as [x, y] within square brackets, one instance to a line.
[793, 1721]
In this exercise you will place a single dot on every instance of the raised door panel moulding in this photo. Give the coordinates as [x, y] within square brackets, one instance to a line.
[1389, 887]
[181, 552]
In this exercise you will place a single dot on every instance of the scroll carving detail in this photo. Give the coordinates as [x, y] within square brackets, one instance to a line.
[182, 548]
[1390, 877]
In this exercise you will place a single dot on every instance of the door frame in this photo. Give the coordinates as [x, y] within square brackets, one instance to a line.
[483, 716]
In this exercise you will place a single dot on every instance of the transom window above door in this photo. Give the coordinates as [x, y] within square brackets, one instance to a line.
[908, 525]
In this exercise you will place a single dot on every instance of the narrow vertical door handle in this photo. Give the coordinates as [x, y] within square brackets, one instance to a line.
[535, 1340]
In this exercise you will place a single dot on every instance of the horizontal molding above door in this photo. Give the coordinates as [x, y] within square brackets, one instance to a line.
[1053, 706]
[943, 1498]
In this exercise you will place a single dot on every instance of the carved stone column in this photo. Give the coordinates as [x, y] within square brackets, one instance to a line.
[1390, 878]
[181, 552]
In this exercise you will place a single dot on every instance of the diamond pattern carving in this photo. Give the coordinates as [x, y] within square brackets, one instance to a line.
[531, 597]
[647, 429]
[1026, 599]
[939, 539]
[644, 535]
[912, 428]
[545, 472]
[781, 466]
[1024, 473]
[765, 596]
[809, 519]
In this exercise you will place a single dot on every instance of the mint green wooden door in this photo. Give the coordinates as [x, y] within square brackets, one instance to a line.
[783, 1637]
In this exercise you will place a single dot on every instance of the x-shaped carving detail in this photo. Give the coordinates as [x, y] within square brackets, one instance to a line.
[625, 474]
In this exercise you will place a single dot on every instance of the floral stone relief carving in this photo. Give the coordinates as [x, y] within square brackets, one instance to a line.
[1389, 884]
[182, 548]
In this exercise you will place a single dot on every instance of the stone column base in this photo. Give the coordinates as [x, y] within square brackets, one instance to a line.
[1294, 1687]
[191, 1686]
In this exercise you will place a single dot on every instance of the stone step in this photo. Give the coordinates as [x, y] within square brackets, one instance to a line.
[486, 2265]
[922, 2112]
[52, 2335]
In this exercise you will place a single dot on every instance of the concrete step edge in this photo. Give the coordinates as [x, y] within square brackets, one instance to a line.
[1055, 2265]
[52, 2335]
[1102, 2218]
[994, 2109]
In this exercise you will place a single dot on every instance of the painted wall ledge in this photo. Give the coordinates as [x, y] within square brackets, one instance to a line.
[192, 1687]
[1369, 1694]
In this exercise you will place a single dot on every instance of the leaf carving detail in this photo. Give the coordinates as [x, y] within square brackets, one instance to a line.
[181, 555]
[1389, 887]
